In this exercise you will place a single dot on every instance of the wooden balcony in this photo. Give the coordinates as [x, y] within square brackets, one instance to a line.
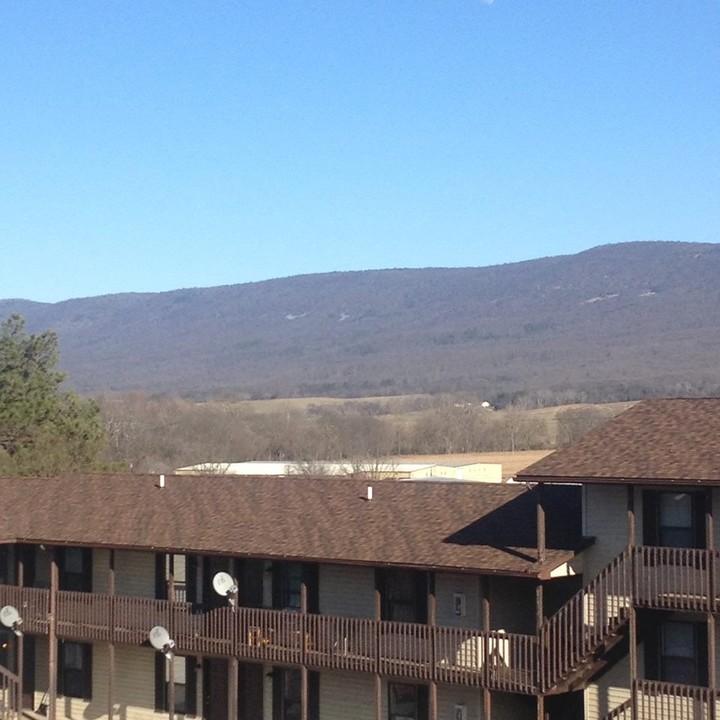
[494, 660]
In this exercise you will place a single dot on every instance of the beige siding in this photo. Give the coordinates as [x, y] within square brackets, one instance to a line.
[135, 573]
[446, 587]
[346, 696]
[347, 591]
[610, 690]
[449, 697]
[605, 519]
[512, 605]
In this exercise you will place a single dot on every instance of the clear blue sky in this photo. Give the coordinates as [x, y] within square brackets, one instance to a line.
[153, 145]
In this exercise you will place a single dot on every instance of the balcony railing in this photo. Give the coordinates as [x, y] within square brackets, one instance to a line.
[672, 701]
[9, 695]
[496, 660]
[652, 577]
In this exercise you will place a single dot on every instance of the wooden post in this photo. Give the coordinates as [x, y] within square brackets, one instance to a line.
[378, 679]
[20, 568]
[303, 669]
[631, 539]
[633, 661]
[233, 666]
[540, 495]
[485, 610]
[432, 622]
[712, 594]
[52, 636]
[171, 660]
[111, 644]
[539, 619]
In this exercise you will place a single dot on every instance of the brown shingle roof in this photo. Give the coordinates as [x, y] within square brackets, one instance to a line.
[462, 526]
[657, 441]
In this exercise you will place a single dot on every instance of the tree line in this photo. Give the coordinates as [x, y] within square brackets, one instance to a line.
[46, 430]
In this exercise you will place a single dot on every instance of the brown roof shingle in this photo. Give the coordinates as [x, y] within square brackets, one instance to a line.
[462, 526]
[656, 441]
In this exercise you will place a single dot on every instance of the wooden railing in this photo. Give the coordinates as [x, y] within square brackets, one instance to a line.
[585, 622]
[621, 712]
[672, 701]
[652, 577]
[9, 695]
[496, 660]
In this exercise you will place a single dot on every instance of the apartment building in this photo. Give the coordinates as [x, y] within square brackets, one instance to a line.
[588, 590]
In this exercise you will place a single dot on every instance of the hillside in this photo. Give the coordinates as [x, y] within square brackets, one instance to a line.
[613, 322]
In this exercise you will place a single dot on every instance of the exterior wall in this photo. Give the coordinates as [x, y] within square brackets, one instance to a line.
[512, 605]
[134, 692]
[605, 519]
[347, 695]
[446, 587]
[347, 591]
[610, 690]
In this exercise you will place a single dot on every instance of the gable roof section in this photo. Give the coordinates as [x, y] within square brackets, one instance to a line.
[656, 441]
[458, 526]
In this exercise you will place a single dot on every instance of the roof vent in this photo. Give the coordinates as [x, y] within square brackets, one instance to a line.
[162, 481]
[369, 493]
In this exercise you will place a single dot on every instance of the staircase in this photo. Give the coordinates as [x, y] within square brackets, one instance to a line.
[576, 640]
[10, 702]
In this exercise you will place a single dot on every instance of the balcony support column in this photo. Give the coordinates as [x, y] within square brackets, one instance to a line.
[631, 516]
[540, 499]
[303, 668]
[378, 678]
[432, 622]
[171, 660]
[52, 635]
[233, 672]
[111, 644]
[539, 620]
[633, 660]
[712, 593]
[485, 610]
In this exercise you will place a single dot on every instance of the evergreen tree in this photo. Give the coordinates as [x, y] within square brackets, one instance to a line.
[43, 430]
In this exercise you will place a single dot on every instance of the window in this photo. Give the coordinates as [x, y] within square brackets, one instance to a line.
[407, 702]
[75, 566]
[287, 579]
[673, 519]
[677, 652]
[75, 670]
[184, 683]
[287, 694]
[404, 594]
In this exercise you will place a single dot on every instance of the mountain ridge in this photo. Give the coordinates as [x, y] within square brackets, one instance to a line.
[639, 315]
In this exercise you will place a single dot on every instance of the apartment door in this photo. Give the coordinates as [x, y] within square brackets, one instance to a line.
[215, 689]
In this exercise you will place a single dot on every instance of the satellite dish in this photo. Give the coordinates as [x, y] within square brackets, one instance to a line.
[10, 618]
[160, 640]
[224, 584]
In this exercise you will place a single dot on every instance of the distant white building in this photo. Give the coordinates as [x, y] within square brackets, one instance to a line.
[378, 469]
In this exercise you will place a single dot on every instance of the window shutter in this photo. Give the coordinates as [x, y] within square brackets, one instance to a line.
[86, 580]
[422, 585]
[650, 517]
[311, 579]
[161, 700]
[160, 577]
[652, 652]
[701, 645]
[313, 696]
[87, 671]
[191, 577]
[698, 511]
[191, 686]
[422, 702]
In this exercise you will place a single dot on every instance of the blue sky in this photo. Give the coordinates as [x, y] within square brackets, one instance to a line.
[149, 146]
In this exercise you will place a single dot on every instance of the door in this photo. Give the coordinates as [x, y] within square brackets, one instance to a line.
[215, 689]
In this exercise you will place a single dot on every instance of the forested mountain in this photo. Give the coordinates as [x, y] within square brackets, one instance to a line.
[615, 322]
